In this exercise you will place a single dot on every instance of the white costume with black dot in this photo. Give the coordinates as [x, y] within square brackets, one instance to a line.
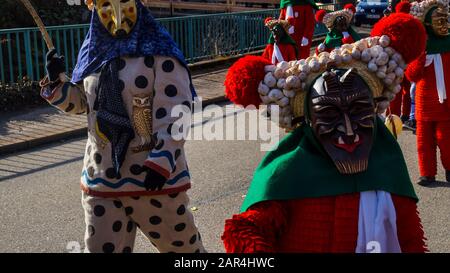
[151, 87]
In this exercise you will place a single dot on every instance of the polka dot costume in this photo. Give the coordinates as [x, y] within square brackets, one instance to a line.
[117, 204]
[111, 223]
[151, 87]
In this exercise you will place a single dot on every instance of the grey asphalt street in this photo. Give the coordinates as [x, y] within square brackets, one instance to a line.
[40, 197]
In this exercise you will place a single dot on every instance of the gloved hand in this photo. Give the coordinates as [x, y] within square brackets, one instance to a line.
[291, 30]
[54, 65]
[321, 47]
[153, 179]
[345, 34]
[305, 41]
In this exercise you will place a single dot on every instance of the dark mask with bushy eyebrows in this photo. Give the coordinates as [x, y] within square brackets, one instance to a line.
[343, 118]
[278, 33]
[340, 24]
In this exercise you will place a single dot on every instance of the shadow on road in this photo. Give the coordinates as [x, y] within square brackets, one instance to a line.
[51, 156]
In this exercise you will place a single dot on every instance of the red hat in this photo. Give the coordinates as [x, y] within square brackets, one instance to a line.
[267, 20]
[407, 34]
[320, 14]
[350, 7]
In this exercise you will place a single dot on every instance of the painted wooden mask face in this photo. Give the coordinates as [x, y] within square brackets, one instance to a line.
[343, 119]
[278, 32]
[439, 22]
[117, 16]
[341, 24]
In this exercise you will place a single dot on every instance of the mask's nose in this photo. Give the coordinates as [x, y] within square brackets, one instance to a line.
[117, 11]
[121, 33]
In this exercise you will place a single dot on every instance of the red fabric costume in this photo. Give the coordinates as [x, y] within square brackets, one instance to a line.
[325, 224]
[287, 51]
[433, 117]
[401, 105]
[303, 22]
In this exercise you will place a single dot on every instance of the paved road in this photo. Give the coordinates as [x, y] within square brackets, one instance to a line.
[40, 196]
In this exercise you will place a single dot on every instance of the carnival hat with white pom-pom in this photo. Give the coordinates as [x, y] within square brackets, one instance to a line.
[271, 23]
[380, 60]
[421, 9]
[328, 18]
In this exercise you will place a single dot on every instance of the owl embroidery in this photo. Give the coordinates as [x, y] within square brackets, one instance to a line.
[142, 122]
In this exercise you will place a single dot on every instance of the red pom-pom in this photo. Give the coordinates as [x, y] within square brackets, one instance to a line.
[320, 14]
[403, 7]
[350, 7]
[407, 34]
[243, 78]
[268, 19]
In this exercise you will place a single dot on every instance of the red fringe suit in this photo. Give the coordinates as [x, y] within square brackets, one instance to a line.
[401, 105]
[433, 117]
[303, 22]
[325, 224]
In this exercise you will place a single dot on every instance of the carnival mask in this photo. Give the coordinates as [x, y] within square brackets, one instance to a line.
[342, 117]
[439, 22]
[278, 32]
[117, 16]
[340, 24]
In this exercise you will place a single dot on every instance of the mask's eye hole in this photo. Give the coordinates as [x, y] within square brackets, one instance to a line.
[124, 1]
[106, 4]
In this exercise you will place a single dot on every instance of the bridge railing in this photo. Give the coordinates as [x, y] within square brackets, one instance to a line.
[200, 37]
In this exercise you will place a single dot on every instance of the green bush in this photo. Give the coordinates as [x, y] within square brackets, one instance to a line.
[16, 96]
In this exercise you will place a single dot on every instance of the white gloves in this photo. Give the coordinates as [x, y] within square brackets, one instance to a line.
[321, 47]
[305, 41]
[291, 30]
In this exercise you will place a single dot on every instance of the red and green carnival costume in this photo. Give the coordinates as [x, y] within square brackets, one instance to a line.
[300, 14]
[301, 199]
[283, 48]
[336, 37]
[431, 72]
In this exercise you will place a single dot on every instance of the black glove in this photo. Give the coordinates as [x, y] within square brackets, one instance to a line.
[153, 179]
[55, 65]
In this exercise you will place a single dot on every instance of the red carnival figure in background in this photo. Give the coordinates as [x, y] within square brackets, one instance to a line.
[300, 14]
[431, 73]
[281, 47]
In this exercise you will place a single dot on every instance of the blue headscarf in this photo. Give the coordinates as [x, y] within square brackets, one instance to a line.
[148, 38]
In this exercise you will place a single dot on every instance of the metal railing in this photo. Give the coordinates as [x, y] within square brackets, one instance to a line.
[200, 37]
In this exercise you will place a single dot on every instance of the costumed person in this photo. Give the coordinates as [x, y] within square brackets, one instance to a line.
[401, 105]
[300, 14]
[129, 77]
[431, 73]
[410, 124]
[281, 47]
[338, 182]
[339, 26]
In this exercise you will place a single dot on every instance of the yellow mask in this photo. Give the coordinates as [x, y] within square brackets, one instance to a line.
[118, 16]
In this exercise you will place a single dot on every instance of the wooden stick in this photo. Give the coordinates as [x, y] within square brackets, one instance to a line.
[39, 23]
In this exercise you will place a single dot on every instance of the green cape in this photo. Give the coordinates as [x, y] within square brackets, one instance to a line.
[300, 168]
[285, 3]
[435, 44]
[334, 37]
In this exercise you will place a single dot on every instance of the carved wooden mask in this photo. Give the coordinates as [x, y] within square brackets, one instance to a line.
[343, 118]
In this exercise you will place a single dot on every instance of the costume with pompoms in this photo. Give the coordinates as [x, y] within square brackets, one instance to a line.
[339, 26]
[431, 72]
[281, 47]
[302, 197]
